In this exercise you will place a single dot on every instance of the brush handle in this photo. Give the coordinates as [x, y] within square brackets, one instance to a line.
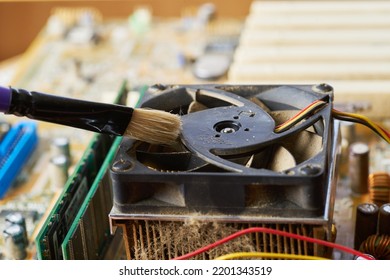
[98, 117]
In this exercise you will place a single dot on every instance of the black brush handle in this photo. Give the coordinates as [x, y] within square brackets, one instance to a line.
[98, 117]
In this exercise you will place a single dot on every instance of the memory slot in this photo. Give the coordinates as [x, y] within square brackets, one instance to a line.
[76, 189]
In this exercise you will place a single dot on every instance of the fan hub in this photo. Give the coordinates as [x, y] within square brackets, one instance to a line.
[227, 126]
[226, 130]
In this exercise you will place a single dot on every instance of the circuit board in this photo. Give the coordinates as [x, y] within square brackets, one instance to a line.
[80, 55]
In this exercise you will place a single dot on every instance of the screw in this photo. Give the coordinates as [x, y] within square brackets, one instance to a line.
[310, 170]
[323, 88]
[122, 165]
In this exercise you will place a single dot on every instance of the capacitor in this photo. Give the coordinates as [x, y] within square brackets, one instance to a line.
[366, 222]
[16, 218]
[59, 171]
[348, 131]
[384, 219]
[206, 13]
[61, 146]
[360, 258]
[14, 243]
[359, 167]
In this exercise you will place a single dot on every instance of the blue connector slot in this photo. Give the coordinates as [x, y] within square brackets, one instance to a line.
[15, 149]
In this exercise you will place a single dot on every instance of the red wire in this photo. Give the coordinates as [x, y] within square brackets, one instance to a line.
[276, 232]
[303, 111]
[384, 130]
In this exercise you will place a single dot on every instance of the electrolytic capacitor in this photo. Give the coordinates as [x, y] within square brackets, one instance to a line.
[14, 243]
[384, 219]
[359, 167]
[59, 171]
[348, 131]
[366, 222]
[360, 258]
[17, 218]
[61, 146]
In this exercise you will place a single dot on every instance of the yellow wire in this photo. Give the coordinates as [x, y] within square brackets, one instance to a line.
[315, 105]
[240, 255]
[319, 103]
[376, 127]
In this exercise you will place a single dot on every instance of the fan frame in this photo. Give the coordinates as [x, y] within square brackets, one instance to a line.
[304, 193]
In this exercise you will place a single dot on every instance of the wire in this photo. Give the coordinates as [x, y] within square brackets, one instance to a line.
[240, 255]
[276, 232]
[362, 120]
[351, 117]
[312, 107]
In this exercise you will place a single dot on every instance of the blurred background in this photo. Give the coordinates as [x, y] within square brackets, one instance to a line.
[21, 21]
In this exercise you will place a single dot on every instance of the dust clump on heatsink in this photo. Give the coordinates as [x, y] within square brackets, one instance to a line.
[189, 236]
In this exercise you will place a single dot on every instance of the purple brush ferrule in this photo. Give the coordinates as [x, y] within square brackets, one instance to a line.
[5, 99]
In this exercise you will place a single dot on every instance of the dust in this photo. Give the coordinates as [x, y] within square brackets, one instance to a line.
[172, 239]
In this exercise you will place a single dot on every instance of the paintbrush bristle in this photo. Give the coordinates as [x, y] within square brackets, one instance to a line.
[154, 126]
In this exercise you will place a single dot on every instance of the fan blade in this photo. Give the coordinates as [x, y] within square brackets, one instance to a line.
[177, 161]
[303, 145]
[196, 107]
[282, 160]
[171, 161]
[274, 157]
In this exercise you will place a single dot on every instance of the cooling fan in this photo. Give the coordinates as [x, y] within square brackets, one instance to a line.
[229, 163]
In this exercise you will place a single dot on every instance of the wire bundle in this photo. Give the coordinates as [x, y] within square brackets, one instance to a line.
[276, 232]
[350, 117]
[304, 113]
[357, 118]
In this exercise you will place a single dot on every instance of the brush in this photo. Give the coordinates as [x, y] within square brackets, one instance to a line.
[151, 126]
